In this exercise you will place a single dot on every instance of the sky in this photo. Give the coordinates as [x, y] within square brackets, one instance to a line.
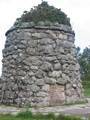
[77, 10]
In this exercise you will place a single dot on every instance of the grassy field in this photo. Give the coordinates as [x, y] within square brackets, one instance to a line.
[29, 116]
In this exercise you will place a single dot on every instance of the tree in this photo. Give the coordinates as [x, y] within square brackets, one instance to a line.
[84, 61]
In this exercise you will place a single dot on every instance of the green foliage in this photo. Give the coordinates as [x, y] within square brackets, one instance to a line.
[84, 61]
[44, 12]
[62, 117]
[86, 85]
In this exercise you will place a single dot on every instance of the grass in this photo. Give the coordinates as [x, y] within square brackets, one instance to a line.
[86, 85]
[75, 103]
[29, 116]
[87, 92]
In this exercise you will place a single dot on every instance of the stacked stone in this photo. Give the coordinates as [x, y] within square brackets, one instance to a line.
[40, 66]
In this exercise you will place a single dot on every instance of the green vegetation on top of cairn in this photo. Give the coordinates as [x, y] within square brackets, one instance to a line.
[44, 12]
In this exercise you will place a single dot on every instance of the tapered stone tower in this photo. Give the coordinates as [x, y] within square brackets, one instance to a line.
[40, 66]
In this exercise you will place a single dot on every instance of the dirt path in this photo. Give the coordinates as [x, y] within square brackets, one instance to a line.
[81, 109]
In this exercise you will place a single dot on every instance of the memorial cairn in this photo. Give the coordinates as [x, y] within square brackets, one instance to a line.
[40, 67]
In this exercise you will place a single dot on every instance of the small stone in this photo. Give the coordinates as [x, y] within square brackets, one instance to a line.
[65, 77]
[45, 88]
[39, 35]
[46, 41]
[34, 67]
[55, 74]
[68, 86]
[67, 44]
[34, 88]
[14, 56]
[47, 66]
[41, 94]
[51, 58]
[59, 50]
[71, 38]
[57, 66]
[74, 86]
[48, 49]
[40, 74]
[30, 51]
[61, 81]
[20, 73]
[61, 36]
[40, 82]
[52, 34]
[77, 67]
[50, 80]
[31, 73]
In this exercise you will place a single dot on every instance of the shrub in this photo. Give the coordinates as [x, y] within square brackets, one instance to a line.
[44, 12]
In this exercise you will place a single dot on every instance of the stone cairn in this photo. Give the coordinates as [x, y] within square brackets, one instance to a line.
[40, 66]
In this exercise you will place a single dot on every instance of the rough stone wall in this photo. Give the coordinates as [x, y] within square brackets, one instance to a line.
[40, 67]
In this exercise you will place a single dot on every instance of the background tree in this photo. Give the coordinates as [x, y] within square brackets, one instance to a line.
[84, 61]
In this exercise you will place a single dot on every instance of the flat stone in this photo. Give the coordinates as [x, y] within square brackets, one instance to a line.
[57, 66]
[50, 80]
[55, 74]
[46, 41]
[39, 35]
[61, 81]
[41, 94]
[52, 34]
[62, 36]
[50, 58]
[67, 44]
[34, 67]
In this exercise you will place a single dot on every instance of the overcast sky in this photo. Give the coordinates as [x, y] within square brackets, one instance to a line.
[77, 10]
